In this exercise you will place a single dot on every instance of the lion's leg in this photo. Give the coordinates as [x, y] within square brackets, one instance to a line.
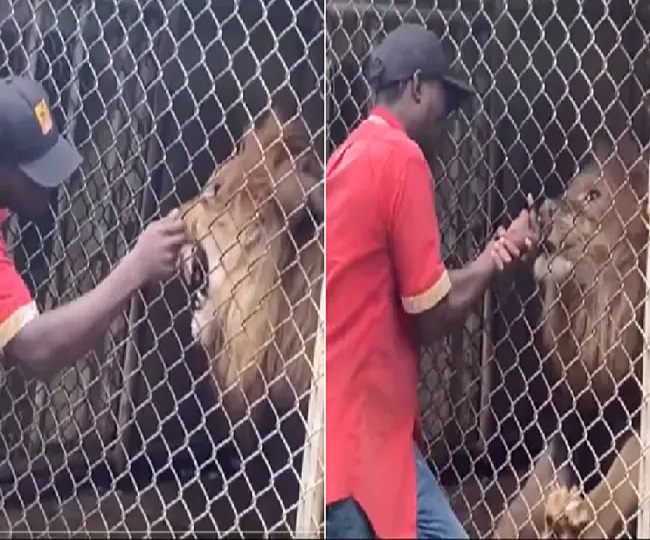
[524, 517]
[615, 499]
[607, 507]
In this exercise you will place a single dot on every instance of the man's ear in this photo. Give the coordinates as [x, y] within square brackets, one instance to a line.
[416, 87]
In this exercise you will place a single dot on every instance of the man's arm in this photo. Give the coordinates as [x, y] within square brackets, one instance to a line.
[436, 298]
[49, 342]
[57, 338]
[468, 285]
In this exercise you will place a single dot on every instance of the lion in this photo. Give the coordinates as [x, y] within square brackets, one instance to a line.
[256, 230]
[590, 269]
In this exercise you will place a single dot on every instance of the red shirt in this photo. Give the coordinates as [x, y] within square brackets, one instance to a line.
[383, 262]
[16, 305]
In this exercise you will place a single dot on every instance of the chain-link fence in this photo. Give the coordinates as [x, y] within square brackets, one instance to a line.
[539, 369]
[144, 434]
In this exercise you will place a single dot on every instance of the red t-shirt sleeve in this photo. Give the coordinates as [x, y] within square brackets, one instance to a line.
[16, 305]
[422, 278]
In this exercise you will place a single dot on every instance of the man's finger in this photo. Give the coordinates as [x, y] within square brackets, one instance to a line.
[497, 261]
[177, 238]
[510, 247]
[530, 201]
[502, 253]
[172, 226]
[174, 216]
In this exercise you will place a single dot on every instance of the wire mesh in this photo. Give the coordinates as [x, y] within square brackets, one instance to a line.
[509, 392]
[166, 101]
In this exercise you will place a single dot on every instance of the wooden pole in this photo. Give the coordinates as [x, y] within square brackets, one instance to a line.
[643, 522]
[309, 521]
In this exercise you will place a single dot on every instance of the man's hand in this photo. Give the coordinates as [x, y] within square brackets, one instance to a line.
[524, 230]
[521, 237]
[157, 252]
[59, 337]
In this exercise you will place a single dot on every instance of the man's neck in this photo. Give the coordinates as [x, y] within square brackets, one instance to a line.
[392, 115]
[395, 110]
[398, 116]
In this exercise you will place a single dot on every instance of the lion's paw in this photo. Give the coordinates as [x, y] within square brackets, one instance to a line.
[567, 513]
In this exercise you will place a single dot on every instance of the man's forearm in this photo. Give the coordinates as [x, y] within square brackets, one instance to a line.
[60, 337]
[467, 286]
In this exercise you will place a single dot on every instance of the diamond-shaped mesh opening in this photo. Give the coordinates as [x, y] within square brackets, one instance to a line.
[143, 435]
[550, 78]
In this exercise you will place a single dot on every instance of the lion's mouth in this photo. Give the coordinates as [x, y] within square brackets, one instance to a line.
[548, 246]
[195, 274]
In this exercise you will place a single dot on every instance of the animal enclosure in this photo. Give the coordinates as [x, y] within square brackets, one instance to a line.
[552, 79]
[138, 437]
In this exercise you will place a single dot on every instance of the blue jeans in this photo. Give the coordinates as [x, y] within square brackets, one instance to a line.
[435, 518]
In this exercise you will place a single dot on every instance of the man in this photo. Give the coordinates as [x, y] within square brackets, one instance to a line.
[34, 159]
[385, 284]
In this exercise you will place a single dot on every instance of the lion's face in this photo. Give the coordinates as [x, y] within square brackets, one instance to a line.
[269, 189]
[280, 172]
[596, 219]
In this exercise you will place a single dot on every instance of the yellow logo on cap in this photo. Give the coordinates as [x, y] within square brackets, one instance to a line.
[43, 116]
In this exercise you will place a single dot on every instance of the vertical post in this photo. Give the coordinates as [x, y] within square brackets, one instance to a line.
[643, 522]
[40, 388]
[486, 419]
[33, 39]
[312, 485]
[29, 41]
[162, 49]
[56, 285]
[453, 432]
[487, 347]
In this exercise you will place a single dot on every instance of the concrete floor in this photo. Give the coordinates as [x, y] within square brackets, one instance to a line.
[478, 504]
[200, 506]
[164, 508]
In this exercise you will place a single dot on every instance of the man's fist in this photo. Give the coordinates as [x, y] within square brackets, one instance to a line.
[520, 238]
[157, 252]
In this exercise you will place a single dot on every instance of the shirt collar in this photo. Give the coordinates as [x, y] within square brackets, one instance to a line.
[381, 113]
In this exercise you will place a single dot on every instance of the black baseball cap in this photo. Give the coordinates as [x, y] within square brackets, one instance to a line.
[411, 48]
[29, 140]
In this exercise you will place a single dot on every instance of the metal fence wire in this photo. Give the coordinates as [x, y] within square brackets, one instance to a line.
[197, 410]
[541, 390]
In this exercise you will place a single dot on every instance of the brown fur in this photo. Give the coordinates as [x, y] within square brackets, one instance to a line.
[590, 269]
[258, 322]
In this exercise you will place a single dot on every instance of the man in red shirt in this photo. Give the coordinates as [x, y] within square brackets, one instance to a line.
[388, 291]
[34, 158]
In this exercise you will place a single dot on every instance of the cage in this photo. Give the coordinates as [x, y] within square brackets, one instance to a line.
[154, 95]
[549, 77]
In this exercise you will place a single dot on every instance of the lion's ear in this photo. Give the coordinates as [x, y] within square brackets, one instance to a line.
[603, 149]
[628, 153]
[638, 178]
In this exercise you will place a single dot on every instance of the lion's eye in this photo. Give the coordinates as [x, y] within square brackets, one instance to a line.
[592, 195]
